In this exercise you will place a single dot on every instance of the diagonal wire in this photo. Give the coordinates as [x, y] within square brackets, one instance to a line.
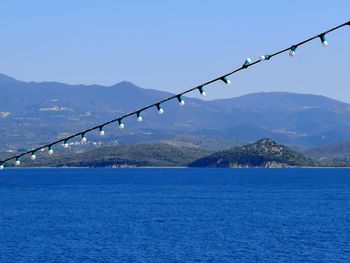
[157, 104]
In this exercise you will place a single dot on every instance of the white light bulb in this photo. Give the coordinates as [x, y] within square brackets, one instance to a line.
[139, 118]
[102, 132]
[83, 140]
[1, 167]
[248, 60]
[226, 80]
[182, 102]
[160, 111]
[33, 157]
[65, 145]
[292, 53]
[324, 40]
[121, 126]
[18, 162]
[262, 57]
[50, 152]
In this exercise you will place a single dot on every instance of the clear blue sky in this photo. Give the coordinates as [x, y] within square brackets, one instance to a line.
[172, 45]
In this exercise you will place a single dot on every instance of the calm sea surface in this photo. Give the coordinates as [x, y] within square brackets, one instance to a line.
[175, 215]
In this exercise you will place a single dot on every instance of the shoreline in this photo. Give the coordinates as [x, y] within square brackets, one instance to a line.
[171, 167]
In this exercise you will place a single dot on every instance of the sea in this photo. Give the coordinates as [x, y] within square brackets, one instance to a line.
[175, 215]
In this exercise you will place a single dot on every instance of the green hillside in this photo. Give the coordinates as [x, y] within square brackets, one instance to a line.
[263, 153]
[123, 155]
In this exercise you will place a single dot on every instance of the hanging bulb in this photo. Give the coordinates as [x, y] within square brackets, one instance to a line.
[324, 40]
[121, 125]
[50, 152]
[17, 162]
[247, 62]
[139, 117]
[226, 80]
[160, 109]
[264, 57]
[181, 101]
[65, 144]
[202, 92]
[83, 138]
[102, 132]
[2, 167]
[33, 156]
[292, 51]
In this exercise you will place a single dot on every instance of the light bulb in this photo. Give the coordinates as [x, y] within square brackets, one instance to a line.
[50, 152]
[160, 109]
[2, 167]
[226, 80]
[121, 125]
[83, 139]
[102, 132]
[17, 162]
[324, 40]
[202, 92]
[139, 117]
[292, 51]
[247, 62]
[264, 57]
[65, 145]
[181, 101]
[33, 157]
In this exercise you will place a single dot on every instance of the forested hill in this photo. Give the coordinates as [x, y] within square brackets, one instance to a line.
[263, 153]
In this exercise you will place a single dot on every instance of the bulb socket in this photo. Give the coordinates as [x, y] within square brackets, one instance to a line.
[226, 80]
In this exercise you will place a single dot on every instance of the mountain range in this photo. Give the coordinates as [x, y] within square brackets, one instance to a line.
[32, 113]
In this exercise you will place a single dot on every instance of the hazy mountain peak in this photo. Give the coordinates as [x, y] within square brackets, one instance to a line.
[125, 83]
[4, 79]
[281, 101]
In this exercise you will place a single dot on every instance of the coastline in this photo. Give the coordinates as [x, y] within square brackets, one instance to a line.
[172, 167]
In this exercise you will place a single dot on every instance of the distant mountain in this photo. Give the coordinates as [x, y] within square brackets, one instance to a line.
[4, 79]
[263, 153]
[33, 113]
[330, 151]
[331, 155]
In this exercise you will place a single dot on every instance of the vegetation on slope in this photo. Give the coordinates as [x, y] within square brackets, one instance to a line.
[124, 155]
[263, 153]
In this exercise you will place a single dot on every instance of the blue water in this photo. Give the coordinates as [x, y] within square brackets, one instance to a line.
[175, 215]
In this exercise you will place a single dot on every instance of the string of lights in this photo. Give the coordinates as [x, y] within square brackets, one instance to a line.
[158, 105]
